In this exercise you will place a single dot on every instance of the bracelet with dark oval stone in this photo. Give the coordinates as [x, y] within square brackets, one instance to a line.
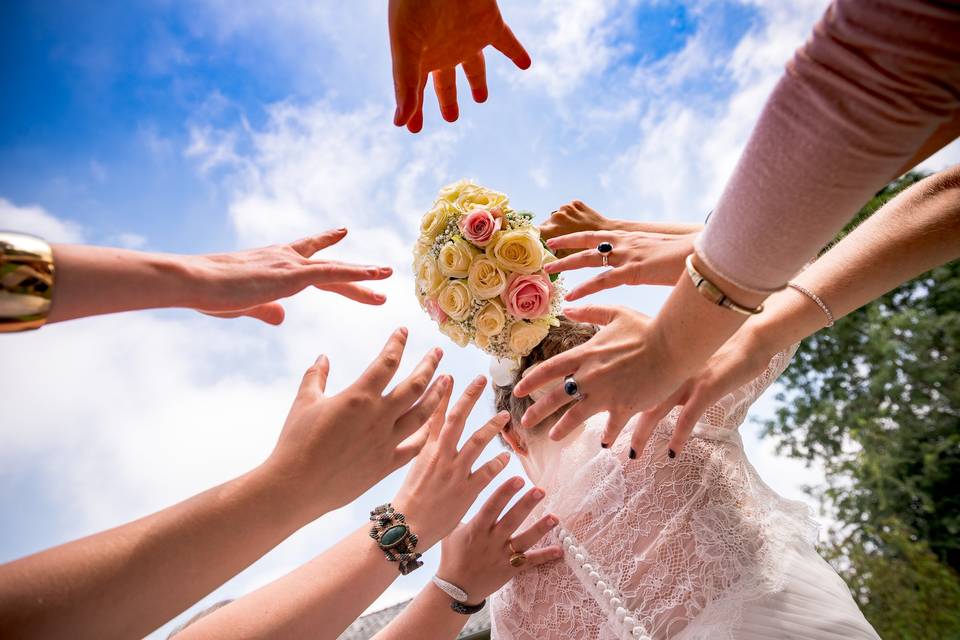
[394, 537]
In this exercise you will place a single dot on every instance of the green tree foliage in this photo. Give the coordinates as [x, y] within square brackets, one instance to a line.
[876, 400]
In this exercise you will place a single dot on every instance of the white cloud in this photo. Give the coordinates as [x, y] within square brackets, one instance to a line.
[37, 221]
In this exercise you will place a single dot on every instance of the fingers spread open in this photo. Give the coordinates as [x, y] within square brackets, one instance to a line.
[544, 407]
[507, 44]
[530, 536]
[408, 449]
[482, 437]
[381, 371]
[606, 280]
[475, 69]
[356, 293]
[410, 389]
[646, 423]
[615, 424]
[515, 517]
[308, 246]
[315, 378]
[420, 413]
[592, 313]
[439, 415]
[489, 513]
[457, 418]
[445, 86]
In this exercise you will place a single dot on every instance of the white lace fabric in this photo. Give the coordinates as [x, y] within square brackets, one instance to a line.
[656, 547]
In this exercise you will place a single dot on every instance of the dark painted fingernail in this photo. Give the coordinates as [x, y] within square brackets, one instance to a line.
[671, 453]
[604, 445]
[633, 454]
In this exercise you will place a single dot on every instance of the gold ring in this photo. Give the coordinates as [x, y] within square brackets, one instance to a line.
[518, 560]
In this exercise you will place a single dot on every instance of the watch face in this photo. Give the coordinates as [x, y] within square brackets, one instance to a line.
[394, 536]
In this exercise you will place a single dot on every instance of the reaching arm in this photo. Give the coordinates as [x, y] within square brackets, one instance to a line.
[321, 598]
[127, 581]
[913, 233]
[91, 281]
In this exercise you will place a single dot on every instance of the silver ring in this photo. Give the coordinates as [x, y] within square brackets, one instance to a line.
[571, 388]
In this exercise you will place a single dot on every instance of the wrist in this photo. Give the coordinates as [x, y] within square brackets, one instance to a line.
[292, 506]
[426, 532]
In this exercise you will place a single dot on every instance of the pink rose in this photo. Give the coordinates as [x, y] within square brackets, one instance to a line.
[435, 312]
[528, 296]
[479, 226]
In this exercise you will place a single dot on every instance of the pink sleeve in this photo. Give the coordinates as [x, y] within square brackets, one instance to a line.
[857, 101]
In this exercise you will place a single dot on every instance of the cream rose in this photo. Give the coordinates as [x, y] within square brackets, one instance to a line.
[455, 299]
[427, 273]
[455, 332]
[517, 251]
[482, 341]
[480, 198]
[435, 220]
[524, 336]
[486, 279]
[491, 319]
[451, 192]
[456, 257]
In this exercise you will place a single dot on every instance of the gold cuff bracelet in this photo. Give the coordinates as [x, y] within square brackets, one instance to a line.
[26, 281]
[714, 294]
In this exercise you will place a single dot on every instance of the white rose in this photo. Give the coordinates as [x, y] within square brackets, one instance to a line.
[480, 198]
[517, 251]
[451, 192]
[455, 299]
[435, 220]
[524, 336]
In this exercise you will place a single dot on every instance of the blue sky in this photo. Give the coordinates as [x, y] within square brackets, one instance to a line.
[214, 125]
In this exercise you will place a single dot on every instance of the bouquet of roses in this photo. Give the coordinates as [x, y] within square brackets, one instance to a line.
[479, 272]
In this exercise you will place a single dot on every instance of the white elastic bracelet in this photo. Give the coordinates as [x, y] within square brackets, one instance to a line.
[816, 299]
[451, 589]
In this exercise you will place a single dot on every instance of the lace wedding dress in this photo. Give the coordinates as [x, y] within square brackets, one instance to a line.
[692, 548]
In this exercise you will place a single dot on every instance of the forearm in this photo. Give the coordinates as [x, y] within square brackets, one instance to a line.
[913, 233]
[824, 145]
[429, 610]
[318, 600]
[93, 281]
[127, 581]
[673, 228]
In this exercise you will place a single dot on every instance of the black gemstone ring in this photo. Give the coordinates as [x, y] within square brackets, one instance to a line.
[605, 249]
[571, 388]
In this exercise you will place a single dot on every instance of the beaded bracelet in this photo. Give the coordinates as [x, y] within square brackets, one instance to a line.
[394, 537]
[816, 299]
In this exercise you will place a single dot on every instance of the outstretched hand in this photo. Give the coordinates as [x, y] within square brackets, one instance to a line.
[249, 283]
[638, 257]
[624, 354]
[333, 448]
[434, 36]
[476, 555]
[441, 485]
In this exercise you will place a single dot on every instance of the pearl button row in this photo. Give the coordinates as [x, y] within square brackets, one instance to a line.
[603, 591]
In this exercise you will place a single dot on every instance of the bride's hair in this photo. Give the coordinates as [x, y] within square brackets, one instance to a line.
[561, 338]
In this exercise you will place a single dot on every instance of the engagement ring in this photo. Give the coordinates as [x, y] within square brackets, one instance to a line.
[605, 249]
[571, 388]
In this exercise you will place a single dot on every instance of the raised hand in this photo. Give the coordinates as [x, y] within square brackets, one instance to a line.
[333, 448]
[617, 370]
[248, 283]
[575, 217]
[476, 555]
[442, 485]
[638, 257]
[434, 36]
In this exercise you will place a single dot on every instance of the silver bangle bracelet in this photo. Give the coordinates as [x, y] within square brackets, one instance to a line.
[451, 589]
[816, 299]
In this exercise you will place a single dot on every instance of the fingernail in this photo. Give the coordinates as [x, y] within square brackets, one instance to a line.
[558, 553]
[671, 453]
[604, 445]
[403, 331]
[516, 483]
[537, 493]
[342, 230]
[480, 380]
[553, 521]
[503, 416]
[633, 454]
